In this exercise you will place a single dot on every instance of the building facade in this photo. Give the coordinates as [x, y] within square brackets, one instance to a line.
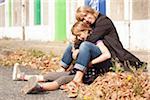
[51, 20]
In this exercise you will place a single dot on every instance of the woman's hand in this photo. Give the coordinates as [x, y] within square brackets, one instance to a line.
[90, 65]
[75, 53]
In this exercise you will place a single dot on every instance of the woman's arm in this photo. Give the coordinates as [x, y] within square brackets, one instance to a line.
[105, 53]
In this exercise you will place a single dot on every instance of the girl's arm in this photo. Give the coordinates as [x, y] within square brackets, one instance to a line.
[75, 53]
[105, 53]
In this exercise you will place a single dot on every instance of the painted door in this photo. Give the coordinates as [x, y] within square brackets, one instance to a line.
[99, 5]
[60, 20]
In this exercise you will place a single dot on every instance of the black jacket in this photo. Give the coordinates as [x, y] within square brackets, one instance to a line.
[104, 29]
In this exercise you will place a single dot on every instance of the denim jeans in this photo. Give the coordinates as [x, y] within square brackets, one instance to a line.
[87, 52]
[67, 57]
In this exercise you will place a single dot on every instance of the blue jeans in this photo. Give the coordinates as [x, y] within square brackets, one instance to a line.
[87, 52]
[67, 57]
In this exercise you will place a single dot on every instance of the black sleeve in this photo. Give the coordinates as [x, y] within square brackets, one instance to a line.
[94, 38]
[101, 28]
[77, 44]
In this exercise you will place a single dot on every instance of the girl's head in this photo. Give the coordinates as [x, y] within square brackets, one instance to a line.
[81, 30]
[86, 14]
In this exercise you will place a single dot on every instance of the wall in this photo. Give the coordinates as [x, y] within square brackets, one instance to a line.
[131, 18]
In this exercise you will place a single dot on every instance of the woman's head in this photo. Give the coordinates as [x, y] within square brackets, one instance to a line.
[86, 14]
[81, 30]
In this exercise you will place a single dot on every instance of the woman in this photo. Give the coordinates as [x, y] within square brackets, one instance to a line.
[103, 28]
[89, 53]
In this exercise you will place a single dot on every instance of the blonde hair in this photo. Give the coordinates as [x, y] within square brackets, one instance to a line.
[85, 9]
[80, 26]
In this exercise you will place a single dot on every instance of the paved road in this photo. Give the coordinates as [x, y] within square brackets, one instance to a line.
[10, 90]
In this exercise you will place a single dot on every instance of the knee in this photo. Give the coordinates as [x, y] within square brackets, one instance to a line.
[84, 45]
[69, 47]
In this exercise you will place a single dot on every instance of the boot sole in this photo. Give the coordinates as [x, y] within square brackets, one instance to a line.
[29, 85]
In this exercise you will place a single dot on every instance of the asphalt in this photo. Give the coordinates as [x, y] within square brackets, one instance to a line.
[11, 90]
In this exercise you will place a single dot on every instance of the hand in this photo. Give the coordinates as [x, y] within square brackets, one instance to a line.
[90, 65]
[75, 53]
[72, 39]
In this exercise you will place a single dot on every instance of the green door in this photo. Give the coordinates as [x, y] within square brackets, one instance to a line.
[37, 12]
[60, 20]
[10, 12]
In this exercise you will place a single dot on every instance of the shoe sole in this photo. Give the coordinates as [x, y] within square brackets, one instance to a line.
[14, 76]
[29, 85]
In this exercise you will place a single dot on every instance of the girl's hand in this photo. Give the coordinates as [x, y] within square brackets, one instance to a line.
[75, 53]
[72, 39]
[90, 65]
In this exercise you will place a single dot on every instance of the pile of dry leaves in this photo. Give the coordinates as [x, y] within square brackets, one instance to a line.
[118, 86]
[32, 58]
[134, 85]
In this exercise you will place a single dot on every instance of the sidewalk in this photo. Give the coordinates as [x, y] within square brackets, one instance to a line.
[57, 48]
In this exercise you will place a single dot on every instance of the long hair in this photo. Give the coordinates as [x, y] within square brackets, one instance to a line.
[85, 9]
